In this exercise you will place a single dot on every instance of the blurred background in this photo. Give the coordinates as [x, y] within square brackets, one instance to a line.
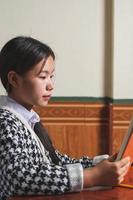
[93, 44]
[92, 40]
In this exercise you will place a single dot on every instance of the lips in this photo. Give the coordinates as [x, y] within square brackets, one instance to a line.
[46, 97]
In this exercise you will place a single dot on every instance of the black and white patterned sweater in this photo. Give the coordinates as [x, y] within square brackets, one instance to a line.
[25, 170]
[26, 167]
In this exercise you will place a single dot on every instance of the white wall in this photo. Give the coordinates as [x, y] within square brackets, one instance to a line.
[75, 29]
[123, 49]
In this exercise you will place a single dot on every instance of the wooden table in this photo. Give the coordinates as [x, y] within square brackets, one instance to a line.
[114, 194]
[117, 193]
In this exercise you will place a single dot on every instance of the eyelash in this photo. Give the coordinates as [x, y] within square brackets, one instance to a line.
[44, 77]
[52, 76]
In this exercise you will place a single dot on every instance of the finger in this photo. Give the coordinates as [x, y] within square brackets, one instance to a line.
[124, 170]
[121, 179]
[124, 161]
[113, 157]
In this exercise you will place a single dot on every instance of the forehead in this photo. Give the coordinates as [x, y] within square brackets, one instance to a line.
[45, 65]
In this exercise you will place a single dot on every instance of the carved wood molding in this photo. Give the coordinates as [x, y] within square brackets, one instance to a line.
[74, 113]
[105, 124]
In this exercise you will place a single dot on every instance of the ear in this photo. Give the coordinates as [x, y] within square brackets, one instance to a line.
[13, 79]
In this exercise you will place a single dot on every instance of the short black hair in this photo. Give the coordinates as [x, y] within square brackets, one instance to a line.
[20, 54]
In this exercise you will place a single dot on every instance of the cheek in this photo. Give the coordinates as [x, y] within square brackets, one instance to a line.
[38, 87]
[34, 88]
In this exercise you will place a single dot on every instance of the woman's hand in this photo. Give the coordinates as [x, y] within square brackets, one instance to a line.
[106, 173]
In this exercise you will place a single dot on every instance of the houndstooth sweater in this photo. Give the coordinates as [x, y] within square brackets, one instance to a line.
[25, 170]
[26, 167]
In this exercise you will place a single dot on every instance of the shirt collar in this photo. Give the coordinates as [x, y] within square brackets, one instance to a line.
[30, 116]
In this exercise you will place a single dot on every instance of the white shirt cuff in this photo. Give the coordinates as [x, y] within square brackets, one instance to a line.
[98, 159]
[75, 172]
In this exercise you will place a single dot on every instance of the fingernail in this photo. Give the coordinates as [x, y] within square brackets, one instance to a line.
[128, 158]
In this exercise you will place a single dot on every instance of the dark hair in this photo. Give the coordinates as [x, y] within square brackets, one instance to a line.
[20, 54]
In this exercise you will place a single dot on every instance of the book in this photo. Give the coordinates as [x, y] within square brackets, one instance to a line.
[126, 148]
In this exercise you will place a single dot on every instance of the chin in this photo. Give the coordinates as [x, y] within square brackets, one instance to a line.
[44, 103]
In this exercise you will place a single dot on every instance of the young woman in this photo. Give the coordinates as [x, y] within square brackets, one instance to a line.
[29, 164]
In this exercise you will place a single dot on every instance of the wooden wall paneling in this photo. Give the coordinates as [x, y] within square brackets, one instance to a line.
[65, 123]
[97, 127]
[121, 117]
[77, 128]
[58, 134]
[110, 130]
[78, 140]
[96, 141]
[86, 128]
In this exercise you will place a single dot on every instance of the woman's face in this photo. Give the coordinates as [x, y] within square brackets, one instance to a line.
[36, 86]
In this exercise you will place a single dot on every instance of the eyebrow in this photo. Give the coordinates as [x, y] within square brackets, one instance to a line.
[45, 71]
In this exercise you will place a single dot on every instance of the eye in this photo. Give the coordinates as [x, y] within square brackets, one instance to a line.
[52, 77]
[42, 77]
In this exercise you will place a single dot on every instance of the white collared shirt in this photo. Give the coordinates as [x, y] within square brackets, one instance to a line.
[30, 116]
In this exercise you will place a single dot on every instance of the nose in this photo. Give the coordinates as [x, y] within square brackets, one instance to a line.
[50, 85]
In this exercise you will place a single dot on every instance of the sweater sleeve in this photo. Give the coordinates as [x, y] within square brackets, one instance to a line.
[85, 161]
[20, 174]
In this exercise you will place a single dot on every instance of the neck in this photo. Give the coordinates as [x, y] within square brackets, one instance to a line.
[20, 101]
